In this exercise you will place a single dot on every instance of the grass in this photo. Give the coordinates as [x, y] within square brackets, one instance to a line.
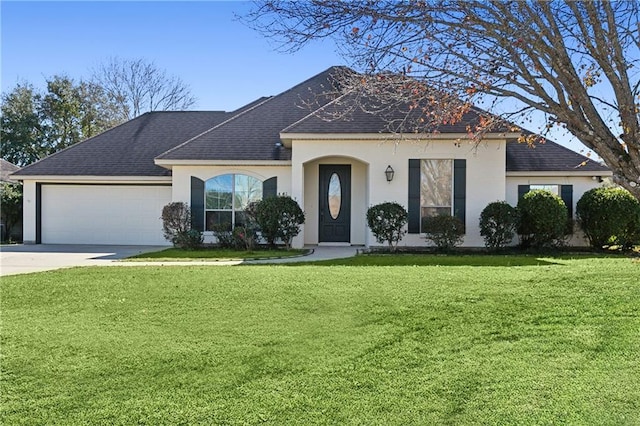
[436, 340]
[212, 254]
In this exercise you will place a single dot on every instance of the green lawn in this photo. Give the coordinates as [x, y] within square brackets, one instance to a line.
[212, 254]
[436, 340]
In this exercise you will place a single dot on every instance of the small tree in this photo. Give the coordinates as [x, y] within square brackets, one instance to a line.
[446, 232]
[10, 206]
[542, 219]
[609, 216]
[279, 217]
[176, 226]
[498, 223]
[387, 221]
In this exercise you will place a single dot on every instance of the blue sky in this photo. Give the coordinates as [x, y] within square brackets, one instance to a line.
[225, 63]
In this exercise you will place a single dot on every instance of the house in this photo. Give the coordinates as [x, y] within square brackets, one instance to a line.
[110, 189]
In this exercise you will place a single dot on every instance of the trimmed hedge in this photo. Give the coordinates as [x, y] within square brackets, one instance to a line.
[498, 222]
[609, 216]
[446, 232]
[387, 222]
[279, 217]
[542, 219]
[176, 226]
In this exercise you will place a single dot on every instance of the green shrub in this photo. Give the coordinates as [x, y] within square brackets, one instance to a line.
[387, 221]
[542, 219]
[10, 207]
[176, 226]
[446, 232]
[279, 217]
[223, 235]
[609, 216]
[498, 222]
[244, 237]
[190, 240]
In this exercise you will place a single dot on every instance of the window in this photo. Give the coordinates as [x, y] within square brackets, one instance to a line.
[436, 188]
[554, 189]
[226, 197]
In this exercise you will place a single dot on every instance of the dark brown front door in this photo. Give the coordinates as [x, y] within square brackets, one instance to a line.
[335, 204]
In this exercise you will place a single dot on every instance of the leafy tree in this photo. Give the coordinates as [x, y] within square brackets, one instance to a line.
[574, 62]
[35, 124]
[21, 127]
[387, 221]
[74, 111]
[138, 86]
[498, 223]
[279, 217]
[11, 203]
[609, 216]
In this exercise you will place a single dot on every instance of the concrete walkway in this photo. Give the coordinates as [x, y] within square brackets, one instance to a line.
[22, 259]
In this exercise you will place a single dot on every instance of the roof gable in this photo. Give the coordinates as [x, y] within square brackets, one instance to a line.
[254, 134]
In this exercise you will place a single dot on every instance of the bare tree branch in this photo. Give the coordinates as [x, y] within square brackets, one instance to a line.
[138, 86]
[576, 62]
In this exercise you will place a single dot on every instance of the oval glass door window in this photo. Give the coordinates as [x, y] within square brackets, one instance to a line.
[334, 195]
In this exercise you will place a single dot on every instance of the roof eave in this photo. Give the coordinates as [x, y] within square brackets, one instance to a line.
[287, 137]
[94, 179]
[168, 163]
[589, 173]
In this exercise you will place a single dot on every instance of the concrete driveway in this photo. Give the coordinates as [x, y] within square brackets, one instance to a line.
[22, 259]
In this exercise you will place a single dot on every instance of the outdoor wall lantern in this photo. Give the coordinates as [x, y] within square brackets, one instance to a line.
[389, 173]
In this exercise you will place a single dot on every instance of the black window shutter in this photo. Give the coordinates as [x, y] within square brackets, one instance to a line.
[270, 187]
[413, 208]
[460, 189]
[522, 189]
[566, 193]
[197, 204]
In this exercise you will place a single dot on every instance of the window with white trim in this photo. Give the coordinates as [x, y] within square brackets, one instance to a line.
[436, 188]
[554, 189]
[226, 197]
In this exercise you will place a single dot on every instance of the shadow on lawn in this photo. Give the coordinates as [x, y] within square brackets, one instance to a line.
[438, 260]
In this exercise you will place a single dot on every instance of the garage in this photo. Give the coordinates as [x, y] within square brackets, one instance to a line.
[102, 214]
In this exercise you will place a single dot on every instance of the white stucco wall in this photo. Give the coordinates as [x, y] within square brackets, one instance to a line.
[29, 211]
[581, 184]
[370, 158]
[182, 180]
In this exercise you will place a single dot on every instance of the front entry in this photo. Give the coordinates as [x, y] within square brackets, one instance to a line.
[335, 204]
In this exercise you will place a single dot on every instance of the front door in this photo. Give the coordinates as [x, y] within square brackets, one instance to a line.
[335, 204]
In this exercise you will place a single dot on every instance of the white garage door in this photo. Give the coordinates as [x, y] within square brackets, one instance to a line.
[103, 214]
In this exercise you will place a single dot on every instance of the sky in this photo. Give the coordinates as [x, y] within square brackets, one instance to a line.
[225, 63]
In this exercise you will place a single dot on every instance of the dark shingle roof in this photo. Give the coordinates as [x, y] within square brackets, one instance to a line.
[349, 115]
[254, 134]
[6, 168]
[128, 149]
[548, 157]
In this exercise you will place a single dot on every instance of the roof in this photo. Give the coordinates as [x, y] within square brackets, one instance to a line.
[548, 157]
[254, 134]
[130, 148]
[7, 168]
[351, 114]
